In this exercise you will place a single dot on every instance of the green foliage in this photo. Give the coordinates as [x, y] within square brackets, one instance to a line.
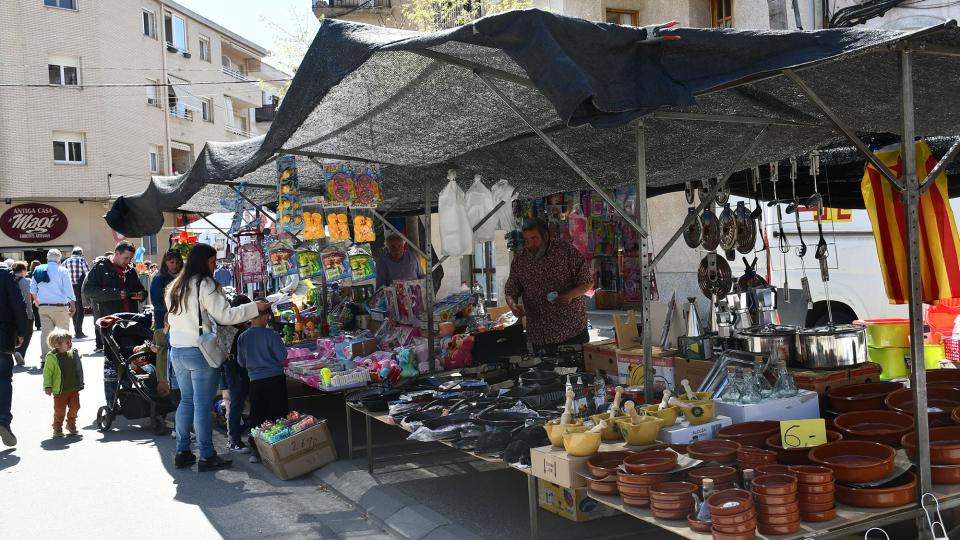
[433, 15]
[291, 40]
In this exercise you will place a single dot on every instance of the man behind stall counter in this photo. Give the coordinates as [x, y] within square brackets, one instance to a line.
[550, 277]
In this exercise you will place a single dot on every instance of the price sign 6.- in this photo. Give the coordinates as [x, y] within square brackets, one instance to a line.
[803, 433]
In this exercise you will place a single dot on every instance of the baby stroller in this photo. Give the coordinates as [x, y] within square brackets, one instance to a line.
[135, 392]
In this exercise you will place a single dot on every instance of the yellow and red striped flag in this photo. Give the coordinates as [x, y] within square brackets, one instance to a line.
[939, 241]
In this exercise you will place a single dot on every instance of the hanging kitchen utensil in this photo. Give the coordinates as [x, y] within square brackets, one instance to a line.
[825, 277]
[714, 276]
[746, 229]
[688, 192]
[694, 231]
[703, 189]
[723, 193]
[728, 228]
[710, 236]
[782, 238]
[694, 328]
[794, 208]
[755, 178]
[805, 285]
[821, 252]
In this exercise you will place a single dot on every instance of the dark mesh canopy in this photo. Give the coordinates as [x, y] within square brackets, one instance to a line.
[413, 103]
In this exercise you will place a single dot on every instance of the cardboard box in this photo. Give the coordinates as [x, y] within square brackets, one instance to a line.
[630, 368]
[573, 504]
[803, 405]
[694, 371]
[299, 454]
[684, 433]
[557, 466]
[600, 355]
[822, 382]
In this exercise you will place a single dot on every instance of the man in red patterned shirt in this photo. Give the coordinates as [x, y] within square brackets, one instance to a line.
[550, 277]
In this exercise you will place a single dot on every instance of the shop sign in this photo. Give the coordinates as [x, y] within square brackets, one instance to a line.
[33, 223]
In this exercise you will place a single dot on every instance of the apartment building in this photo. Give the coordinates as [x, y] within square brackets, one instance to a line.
[96, 96]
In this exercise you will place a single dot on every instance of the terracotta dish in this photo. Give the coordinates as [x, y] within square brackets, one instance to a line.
[774, 500]
[773, 468]
[945, 474]
[775, 484]
[669, 515]
[714, 450]
[817, 507]
[734, 519]
[718, 473]
[729, 502]
[855, 461]
[955, 415]
[640, 502]
[815, 498]
[740, 528]
[812, 474]
[861, 397]
[940, 403]
[697, 525]
[750, 433]
[944, 445]
[817, 517]
[654, 461]
[778, 509]
[645, 480]
[674, 491]
[900, 491]
[672, 506]
[628, 490]
[604, 464]
[941, 376]
[816, 489]
[886, 427]
[778, 519]
[603, 488]
[779, 529]
[717, 535]
[796, 456]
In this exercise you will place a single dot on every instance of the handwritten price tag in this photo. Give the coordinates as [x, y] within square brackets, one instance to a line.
[803, 433]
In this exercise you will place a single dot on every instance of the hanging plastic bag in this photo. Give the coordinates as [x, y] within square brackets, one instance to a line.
[479, 203]
[503, 191]
[456, 235]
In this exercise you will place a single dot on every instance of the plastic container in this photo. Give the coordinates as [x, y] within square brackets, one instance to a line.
[891, 361]
[888, 332]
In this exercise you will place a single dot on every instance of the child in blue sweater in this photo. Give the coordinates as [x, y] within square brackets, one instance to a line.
[261, 352]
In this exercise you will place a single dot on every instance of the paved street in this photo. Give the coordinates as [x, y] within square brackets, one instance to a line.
[122, 484]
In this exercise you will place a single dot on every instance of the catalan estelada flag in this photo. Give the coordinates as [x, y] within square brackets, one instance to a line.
[939, 241]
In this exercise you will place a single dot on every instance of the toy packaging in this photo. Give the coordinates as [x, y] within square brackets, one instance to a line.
[337, 223]
[289, 210]
[363, 228]
[336, 265]
[308, 263]
[282, 260]
[340, 185]
[362, 265]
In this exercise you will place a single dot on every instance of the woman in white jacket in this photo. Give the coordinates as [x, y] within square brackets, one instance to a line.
[197, 380]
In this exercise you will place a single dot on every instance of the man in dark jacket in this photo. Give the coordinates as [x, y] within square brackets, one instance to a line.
[13, 326]
[112, 285]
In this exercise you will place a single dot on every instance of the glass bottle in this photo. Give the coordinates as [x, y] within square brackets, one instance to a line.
[703, 513]
[751, 388]
[766, 390]
[731, 394]
[785, 386]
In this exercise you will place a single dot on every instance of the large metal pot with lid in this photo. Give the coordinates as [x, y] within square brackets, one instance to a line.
[778, 342]
[834, 346]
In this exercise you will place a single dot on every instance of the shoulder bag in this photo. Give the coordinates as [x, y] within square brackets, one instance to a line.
[208, 342]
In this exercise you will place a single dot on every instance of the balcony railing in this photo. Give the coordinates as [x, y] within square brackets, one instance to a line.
[185, 114]
[238, 131]
[235, 74]
[265, 113]
[361, 4]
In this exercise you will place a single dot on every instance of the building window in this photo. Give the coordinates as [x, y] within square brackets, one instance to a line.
[153, 92]
[623, 17]
[182, 100]
[64, 70]
[175, 31]
[206, 109]
[721, 13]
[205, 48]
[68, 147]
[150, 244]
[155, 159]
[149, 23]
[62, 4]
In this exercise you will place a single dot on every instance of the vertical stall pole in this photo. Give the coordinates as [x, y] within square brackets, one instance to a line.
[427, 243]
[644, 266]
[911, 201]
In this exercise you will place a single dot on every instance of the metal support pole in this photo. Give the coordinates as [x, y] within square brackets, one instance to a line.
[387, 224]
[911, 202]
[940, 166]
[533, 506]
[563, 155]
[369, 428]
[346, 405]
[644, 267]
[709, 198]
[428, 285]
[475, 229]
[843, 127]
[255, 205]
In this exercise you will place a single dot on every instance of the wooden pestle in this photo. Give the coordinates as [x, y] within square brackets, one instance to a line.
[664, 401]
[615, 406]
[567, 416]
[691, 395]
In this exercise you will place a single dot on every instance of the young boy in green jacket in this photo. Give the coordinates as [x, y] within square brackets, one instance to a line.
[63, 379]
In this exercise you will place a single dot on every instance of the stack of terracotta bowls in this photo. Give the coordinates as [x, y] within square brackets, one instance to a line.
[795, 456]
[775, 498]
[944, 453]
[750, 433]
[634, 489]
[886, 427]
[723, 477]
[941, 400]
[650, 461]
[733, 515]
[860, 397]
[673, 500]
[862, 462]
[603, 467]
[750, 457]
[816, 489]
[716, 451]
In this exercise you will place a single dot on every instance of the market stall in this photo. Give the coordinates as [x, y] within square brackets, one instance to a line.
[759, 98]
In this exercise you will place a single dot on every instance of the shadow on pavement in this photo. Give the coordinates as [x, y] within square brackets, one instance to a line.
[8, 458]
[61, 443]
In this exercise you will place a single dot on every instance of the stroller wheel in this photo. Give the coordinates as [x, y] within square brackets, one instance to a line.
[158, 425]
[104, 419]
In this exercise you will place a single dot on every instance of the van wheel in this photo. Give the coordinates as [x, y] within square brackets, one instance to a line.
[842, 314]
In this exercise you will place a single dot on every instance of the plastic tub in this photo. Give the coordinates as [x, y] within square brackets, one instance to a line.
[891, 361]
[887, 332]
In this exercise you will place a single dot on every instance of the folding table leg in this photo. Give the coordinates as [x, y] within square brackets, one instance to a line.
[349, 431]
[534, 507]
[369, 443]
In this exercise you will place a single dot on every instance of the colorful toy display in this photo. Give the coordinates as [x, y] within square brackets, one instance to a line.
[353, 184]
[362, 265]
[289, 210]
[336, 264]
[363, 229]
[282, 260]
[339, 228]
[308, 263]
[272, 432]
[366, 181]
[313, 226]
[340, 185]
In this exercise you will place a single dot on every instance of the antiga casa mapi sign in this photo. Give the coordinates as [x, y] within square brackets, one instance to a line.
[33, 223]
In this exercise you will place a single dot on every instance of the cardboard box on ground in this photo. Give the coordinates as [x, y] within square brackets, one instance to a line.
[299, 454]
[573, 504]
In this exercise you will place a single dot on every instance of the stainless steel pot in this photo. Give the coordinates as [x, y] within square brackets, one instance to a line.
[777, 342]
[832, 346]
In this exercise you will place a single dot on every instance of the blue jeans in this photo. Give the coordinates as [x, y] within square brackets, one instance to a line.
[239, 384]
[198, 385]
[6, 388]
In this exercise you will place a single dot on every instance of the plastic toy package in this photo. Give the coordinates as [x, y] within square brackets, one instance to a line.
[363, 228]
[282, 260]
[338, 225]
[336, 264]
[289, 204]
[362, 266]
[308, 263]
[272, 432]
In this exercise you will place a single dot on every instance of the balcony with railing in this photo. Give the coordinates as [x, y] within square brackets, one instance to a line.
[236, 74]
[265, 113]
[181, 113]
[238, 130]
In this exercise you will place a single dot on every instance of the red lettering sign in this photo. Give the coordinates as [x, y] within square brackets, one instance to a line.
[33, 223]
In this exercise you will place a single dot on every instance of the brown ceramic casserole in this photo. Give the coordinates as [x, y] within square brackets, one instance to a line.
[629, 490]
[795, 456]
[734, 519]
[881, 426]
[855, 461]
[654, 461]
[718, 473]
[717, 535]
[816, 489]
[789, 528]
[944, 445]
[945, 474]
[674, 491]
[817, 517]
[775, 484]
[815, 498]
[696, 525]
[603, 464]
[729, 502]
[778, 519]
[640, 502]
[943, 376]
[773, 500]
[678, 448]
[778, 509]
[749, 433]
[819, 507]
[672, 506]
[812, 474]
[860, 397]
[740, 528]
[602, 488]
[898, 492]
[642, 479]
[940, 403]
[773, 468]
[955, 415]
[669, 515]
[714, 450]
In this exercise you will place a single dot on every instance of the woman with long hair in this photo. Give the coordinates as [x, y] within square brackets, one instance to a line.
[193, 300]
[170, 266]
